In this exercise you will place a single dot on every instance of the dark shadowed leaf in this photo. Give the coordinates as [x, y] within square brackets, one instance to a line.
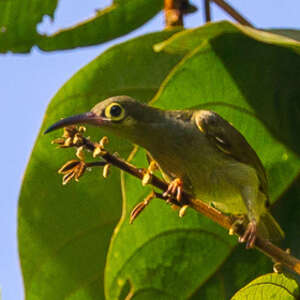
[64, 232]
[288, 212]
[238, 270]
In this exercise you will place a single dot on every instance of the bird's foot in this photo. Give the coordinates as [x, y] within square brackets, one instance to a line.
[148, 173]
[174, 189]
[141, 206]
[250, 235]
[237, 224]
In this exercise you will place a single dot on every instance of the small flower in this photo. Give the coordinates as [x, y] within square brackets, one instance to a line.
[80, 153]
[136, 211]
[68, 142]
[73, 168]
[99, 147]
[81, 129]
[182, 210]
[106, 170]
[59, 141]
[141, 206]
[98, 151]
[78, 140]
[103, 141]
[70, 131]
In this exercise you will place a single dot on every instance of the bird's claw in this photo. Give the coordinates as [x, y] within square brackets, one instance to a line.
[250, 235]
[174, 189]
[239, 222]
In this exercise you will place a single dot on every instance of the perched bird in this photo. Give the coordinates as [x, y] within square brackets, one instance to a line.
[196, 150]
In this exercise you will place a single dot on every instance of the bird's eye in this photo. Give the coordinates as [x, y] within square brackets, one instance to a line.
[115, 112]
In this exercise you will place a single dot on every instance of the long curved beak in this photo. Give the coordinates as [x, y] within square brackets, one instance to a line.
[85, 118]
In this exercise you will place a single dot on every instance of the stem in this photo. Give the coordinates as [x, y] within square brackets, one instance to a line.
[232, 12]
[207, 10]
[263, 245]
[174, 13]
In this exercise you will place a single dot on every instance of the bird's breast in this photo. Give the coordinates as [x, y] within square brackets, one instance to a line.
[207, 173]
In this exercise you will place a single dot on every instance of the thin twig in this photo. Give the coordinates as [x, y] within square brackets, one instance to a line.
[174, 11]
[232, 12]
[263, 245]
[207, 10]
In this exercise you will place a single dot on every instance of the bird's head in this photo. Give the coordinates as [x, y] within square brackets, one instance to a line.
[121, 115]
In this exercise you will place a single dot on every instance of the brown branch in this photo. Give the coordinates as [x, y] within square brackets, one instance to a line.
[207, 10]
[232, 12]
[173, 13]
[263, 245]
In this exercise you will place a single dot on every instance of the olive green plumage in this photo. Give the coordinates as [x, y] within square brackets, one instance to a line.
[214, 161]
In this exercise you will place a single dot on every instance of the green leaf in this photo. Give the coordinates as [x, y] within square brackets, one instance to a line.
[18, 21]
[64, 232]
[188, 40]
[270, 286]
[114, 21]
[162, 256]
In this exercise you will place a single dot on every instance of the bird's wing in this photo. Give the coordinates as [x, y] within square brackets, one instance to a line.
[228, 140]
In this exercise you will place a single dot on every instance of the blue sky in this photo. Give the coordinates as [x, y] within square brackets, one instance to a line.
[28, 82]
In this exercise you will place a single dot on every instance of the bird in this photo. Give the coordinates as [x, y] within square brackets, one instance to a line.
[197, 151]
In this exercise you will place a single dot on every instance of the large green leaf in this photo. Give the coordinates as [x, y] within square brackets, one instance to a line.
[64, 232]
[19, 19]
[120, 18]
[238, 77]
[270, 286]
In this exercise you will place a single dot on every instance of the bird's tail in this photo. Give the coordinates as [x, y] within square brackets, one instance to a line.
[269, 228]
